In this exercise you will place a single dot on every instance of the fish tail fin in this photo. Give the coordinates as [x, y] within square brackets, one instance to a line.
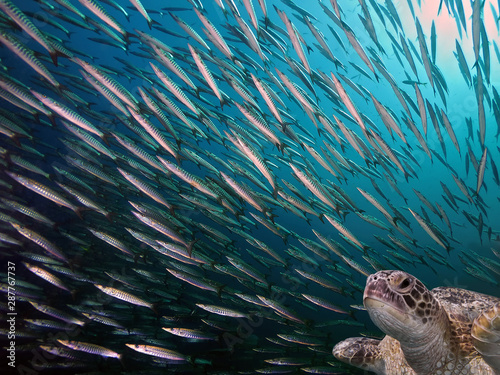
[178, 142]
[422, 260]
[476, 64]
[309, 323]
[127, 37]
[71, 265]
[152, 22]
[154, 308]
[190, 246]
[109, 216]
[275, 191]
[223, 102]
[266, 63]
[433, 270]
[15, 138]
[322, 218]
[172, 209]
[283, 126]
[272, 216]
[55, 226]
[78, 211]
[351, 314]
[105, 138]
[219, 290]
[120, 358]
[179, 158]
[283, 147]
[53, 55]
[60, 88]
[52, 118]
[269, 286]
[395, 220]
[266, 22]
[36, 117]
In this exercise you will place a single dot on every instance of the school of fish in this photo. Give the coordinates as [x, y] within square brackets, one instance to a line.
[204, 188]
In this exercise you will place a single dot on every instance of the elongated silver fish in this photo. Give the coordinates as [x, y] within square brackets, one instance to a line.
[25, 23]
[44, 191]
[90, 348]
[159, 352]
[27, 56]
[124, 296]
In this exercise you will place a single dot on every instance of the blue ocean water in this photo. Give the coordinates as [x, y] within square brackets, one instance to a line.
[130, 66]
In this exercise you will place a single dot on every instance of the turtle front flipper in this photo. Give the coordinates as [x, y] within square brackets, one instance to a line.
[486, 336]
[361, 352]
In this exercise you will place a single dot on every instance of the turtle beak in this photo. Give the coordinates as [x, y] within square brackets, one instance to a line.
[375, 307]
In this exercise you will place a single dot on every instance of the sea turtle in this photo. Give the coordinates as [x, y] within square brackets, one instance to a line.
[445, 330]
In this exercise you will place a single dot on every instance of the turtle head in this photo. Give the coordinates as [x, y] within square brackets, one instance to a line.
[361, 352]
[401, 306]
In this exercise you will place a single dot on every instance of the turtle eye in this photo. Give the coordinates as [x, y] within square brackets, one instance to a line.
[405, 283]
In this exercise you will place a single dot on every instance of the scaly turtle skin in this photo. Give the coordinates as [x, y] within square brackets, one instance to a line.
[443, 331]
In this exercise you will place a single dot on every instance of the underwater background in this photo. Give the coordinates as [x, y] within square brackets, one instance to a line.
[212, 167]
